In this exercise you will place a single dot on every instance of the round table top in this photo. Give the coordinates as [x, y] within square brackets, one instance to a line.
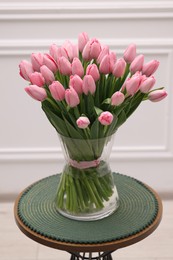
[138, 215]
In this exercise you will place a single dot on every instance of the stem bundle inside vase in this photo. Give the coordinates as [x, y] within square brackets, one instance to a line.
[84, 190]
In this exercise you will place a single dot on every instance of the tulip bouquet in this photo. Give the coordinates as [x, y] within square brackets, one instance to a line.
[87, 94]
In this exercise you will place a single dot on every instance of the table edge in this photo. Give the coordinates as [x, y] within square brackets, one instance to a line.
[87, 247]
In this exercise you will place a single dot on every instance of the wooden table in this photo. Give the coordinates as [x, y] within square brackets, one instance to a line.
[138, 215]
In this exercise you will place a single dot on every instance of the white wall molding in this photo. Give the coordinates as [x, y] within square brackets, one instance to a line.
[25, 47]
[52, 154]
[86, 10]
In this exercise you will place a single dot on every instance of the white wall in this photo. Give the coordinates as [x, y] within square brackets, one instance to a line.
[29, 148]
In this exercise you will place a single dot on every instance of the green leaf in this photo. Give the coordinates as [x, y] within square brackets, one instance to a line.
[89, 106]
[107, 101]
[101, 86]
[95, 129]
[109, 85]
[72, 120]
[135, 103]
[96, 96]
[112, 127]
[55, 120]
[72, 132]
[121, 119]
[52, 106]
[117, 110]
[98, 110]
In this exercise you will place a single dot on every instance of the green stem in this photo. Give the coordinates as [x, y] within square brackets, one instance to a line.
[53, 103]
[91, 193]
[125, 74]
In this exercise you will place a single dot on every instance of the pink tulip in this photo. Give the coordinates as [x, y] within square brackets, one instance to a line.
[104, 51]
[107, 63]
[82, 122]
[36, 78]
[71, 49]
[50, 62]
[47, 74]
[71, 97]
[157, 95]
[57, 52]
[77, 67]
[53, 51]
[37, 61]
[117, 98]
[105, 118]
[36, 92]
[64, 66]
[57, 90]
[137, 63]
[26, 69]
[76, 82]
[150, 67]
[132, 84]
[92, 70]
[82, 40]
[130, 53]
[91, 50]
[119, 68]
[89, 85]
[146, 84]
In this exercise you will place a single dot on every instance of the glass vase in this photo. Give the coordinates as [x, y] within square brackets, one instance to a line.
[86, 190]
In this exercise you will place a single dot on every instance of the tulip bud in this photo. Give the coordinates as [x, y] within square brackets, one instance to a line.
[147, 84]
[57, 90]
[26, 69]
[104, 51]
[157, 95]
[132, 84]
[71, 97]
[137, 63]
[36, 78]
[36, 92]
[64, 66]
[119, 68]
[117, 98]
[82, 122]
[130, 53]
[105, 118]
[77, 67]
[89, 85]
[150, 67]
[37, 61]
[91, 50]
[47, 74]
[76, 82]
[53, 51]
[107, 63]
[92, 70]
[50, 62]
[82, 40]
[61, 52]
[71, 49]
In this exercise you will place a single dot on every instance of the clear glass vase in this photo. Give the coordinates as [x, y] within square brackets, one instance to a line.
[86, 190]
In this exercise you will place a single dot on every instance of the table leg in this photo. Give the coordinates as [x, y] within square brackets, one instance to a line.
[91, 256]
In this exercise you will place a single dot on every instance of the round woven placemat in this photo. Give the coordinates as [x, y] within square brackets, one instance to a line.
[138, 209]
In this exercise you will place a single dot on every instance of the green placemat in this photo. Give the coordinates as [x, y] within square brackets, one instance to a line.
[138, 209]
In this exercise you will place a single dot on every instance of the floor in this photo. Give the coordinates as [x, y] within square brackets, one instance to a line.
[14, 245]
